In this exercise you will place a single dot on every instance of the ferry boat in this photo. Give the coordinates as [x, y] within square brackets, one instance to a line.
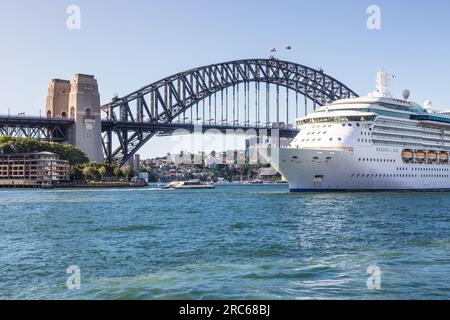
[191, 184]
[369, 143]
[47, 185]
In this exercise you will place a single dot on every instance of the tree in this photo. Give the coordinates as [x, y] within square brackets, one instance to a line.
[102, 172]
[86, 173]
[90, 172]
[67, 152]
[76, 173]
[126, 172]
[117, 173]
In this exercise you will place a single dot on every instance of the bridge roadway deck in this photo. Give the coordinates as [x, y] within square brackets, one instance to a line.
[171, 127]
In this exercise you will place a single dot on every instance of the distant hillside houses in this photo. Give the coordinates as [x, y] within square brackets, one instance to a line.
[216, 160]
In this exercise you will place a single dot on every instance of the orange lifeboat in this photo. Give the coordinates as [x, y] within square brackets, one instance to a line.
[407, 155]
[443, 156]
[420, 155]
[432, 156]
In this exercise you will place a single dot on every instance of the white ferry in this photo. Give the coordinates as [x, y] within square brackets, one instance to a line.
[191, 184]
[369, 143]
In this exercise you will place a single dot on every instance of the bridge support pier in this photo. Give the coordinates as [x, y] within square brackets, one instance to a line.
[78, 100]
[108, 148]
[84, 100]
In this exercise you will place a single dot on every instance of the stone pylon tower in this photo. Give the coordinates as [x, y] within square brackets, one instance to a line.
[84, 108]
[57, 104]
[78, 100]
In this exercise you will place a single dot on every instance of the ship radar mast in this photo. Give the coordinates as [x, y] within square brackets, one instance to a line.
[383, 84]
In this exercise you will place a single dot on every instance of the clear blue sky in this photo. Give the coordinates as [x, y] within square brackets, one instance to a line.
[129, 44]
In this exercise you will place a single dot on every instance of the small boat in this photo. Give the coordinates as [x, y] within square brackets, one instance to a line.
[191, 184]
[432, 156]
[407, 155]
[46, 185]
[420, 155]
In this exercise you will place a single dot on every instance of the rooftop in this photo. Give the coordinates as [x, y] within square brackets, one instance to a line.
[46, 153]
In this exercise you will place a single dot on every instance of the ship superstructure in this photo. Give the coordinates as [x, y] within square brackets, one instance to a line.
[369, 143]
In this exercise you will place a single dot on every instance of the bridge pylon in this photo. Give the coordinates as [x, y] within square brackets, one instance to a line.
[78, 100]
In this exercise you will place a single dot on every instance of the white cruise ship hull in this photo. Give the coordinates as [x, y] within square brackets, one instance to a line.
[368, 143]
[309, 170]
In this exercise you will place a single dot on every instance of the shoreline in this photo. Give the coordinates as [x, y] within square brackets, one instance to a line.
[76, 186]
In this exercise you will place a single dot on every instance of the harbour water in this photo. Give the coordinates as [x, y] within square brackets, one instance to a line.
[233, 242]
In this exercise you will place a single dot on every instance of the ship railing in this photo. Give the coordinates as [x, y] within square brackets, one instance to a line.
[414, 133]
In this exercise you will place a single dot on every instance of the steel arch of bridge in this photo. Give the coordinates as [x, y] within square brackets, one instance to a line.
[163, 101]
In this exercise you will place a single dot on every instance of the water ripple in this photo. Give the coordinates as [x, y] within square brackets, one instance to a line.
[234, 242]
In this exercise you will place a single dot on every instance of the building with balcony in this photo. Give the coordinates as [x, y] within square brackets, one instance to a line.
[32, 169]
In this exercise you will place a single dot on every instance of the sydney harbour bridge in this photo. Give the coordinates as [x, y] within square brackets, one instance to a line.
[250, 94]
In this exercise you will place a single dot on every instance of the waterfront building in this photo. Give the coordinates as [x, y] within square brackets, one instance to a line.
[211, 162]
[134, 163]
[252, 148]
[267, 172]
[143, 176]
[32, 169]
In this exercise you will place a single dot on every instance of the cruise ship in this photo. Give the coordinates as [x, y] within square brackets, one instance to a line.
[367, 144]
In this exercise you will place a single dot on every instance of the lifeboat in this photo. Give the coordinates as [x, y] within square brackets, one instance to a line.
[443, 156]
[420, 155]
[407, 155]
[432, 156]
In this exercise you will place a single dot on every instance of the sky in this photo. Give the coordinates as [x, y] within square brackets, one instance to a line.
[130, 44]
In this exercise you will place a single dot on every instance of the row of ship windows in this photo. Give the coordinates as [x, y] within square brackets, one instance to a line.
[410, 126]
[338, 139]
[408, 138]
[403, 169]
[392, 123]
[409, 145]
[437, 135]
[423, 169]
[324, 132]
[329, 125]
[399, 175]
[319, 139]
[377, 160]
[319, 126]
[369, 141]
[350, 125]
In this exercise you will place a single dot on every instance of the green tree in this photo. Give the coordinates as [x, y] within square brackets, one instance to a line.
[127, 173]
[117, 173]
[67, 152]
[90, 173]
[76, 173]
[86, 173]
[102, 172]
